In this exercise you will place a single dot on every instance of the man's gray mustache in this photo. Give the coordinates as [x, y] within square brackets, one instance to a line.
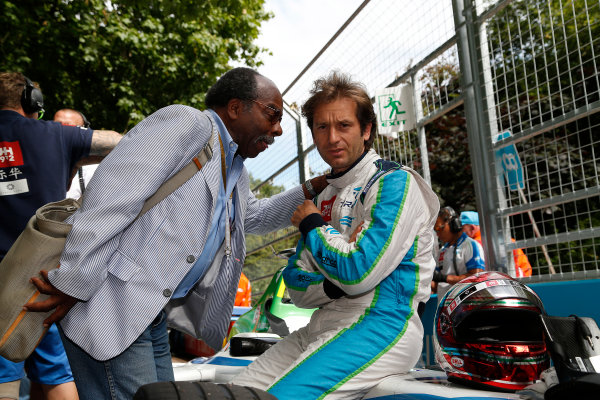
[265, 138]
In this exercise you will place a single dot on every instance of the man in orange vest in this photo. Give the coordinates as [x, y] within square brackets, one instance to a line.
[470, 223]
[244, 292]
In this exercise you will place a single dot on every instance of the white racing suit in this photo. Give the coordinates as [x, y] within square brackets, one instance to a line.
[370, 330]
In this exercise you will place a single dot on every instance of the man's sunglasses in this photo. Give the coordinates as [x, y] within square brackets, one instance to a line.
[276, 116]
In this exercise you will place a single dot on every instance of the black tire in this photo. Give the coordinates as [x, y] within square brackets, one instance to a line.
[199, 391]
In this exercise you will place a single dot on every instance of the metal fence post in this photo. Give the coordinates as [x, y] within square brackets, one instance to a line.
[302, 166]
[303, 172]
[479, 133]
[418, 107]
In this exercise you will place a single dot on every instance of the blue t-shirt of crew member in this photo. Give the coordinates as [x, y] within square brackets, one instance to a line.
[36, 161]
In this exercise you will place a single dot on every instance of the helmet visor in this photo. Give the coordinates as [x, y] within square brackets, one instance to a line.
[493, 311]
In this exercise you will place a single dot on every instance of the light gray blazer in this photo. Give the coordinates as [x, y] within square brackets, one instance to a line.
[125, 271]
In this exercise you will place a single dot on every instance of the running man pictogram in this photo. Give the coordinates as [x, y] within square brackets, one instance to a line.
[394, 104]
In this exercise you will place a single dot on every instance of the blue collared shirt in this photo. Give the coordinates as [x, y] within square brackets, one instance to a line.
[224, 208]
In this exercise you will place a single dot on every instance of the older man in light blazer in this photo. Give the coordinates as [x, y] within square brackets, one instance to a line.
[117, 273]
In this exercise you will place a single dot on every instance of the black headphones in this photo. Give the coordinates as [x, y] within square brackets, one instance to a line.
[32, 99]
[86, 123]
[454, 221]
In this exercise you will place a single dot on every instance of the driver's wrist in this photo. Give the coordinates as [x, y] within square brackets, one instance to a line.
[311, 222]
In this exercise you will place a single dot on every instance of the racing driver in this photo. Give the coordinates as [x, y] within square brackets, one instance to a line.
[364, 259]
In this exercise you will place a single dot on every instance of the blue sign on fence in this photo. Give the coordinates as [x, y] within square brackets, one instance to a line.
[508, 157]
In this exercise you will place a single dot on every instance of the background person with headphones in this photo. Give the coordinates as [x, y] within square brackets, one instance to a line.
[460, 256]
[68, 116]
[37, 159]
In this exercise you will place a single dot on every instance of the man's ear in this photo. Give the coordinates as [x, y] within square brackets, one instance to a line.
[234, 109]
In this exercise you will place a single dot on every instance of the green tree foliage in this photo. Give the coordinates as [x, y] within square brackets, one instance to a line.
[264, 263]
[120, 60]
[544, 56]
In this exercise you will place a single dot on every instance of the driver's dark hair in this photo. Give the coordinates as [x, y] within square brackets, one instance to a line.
[339, 85]
[237, 83]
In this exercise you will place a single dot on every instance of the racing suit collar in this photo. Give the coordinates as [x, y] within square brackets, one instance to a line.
[356, 171]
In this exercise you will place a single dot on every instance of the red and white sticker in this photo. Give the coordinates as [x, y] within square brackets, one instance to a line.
[10, 154]
[326, 206]
[452, 306]
[457, 362]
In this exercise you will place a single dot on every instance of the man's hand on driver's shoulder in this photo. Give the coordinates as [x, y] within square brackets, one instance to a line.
[317, 184]
[57, 300]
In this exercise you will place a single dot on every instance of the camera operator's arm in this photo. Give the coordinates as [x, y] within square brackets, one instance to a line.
[452, 279]
[102, 143]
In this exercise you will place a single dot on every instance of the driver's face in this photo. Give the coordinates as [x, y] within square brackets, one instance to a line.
[337, 134]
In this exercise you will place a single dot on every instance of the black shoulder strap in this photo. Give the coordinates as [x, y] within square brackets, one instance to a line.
[81, 181]
[384, 166]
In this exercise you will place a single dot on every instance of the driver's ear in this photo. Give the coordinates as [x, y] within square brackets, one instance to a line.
[367, 131]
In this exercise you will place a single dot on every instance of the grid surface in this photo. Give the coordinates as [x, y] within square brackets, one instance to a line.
[375, 48]
[381, 44]
[544, 58]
